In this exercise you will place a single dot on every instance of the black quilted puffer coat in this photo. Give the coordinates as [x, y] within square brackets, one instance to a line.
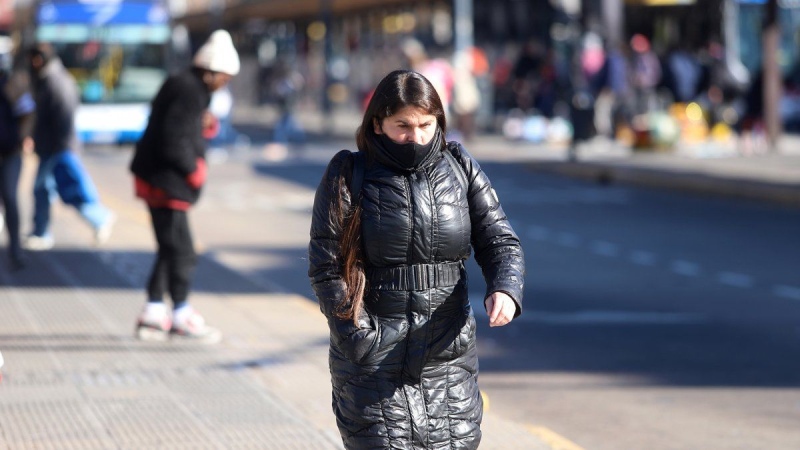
[405, 376]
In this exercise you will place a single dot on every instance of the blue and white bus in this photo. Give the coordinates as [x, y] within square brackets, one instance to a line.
[119, 53]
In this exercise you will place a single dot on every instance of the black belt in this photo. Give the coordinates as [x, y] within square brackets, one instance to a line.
[415, 277]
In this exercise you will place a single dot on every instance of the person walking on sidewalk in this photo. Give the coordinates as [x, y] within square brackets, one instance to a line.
[392, 226]
[16, 123]
[55, 142]
[170, 169]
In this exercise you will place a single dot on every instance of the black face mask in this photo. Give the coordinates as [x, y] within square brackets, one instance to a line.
[408, 155]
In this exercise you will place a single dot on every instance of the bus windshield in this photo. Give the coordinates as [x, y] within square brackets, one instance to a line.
[118, 51]
[115, 73]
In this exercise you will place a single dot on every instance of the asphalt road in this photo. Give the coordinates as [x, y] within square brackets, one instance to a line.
[652, 320]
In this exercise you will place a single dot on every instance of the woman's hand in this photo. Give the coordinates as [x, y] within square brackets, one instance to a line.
[27, 145]
[501, 308]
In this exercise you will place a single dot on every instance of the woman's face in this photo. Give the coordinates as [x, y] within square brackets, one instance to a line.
[409, 124]
[216, 80]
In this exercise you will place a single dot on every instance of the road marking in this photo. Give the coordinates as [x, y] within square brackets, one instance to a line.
[486, 403]
[613, 318]
[604, 248]
[538, 233]
[790, 292]
[739, 280]
[553, 439]
[685, 268]
[594, 317]
[642, 258]
[568, 239]
[649, 259]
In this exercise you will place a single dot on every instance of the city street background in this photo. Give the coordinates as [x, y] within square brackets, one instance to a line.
[653, 319]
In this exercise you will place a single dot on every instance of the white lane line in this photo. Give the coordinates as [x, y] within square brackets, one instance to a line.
[604, 248]
[593, 316]
[538, 233]
[568, 239]
[790, 292]
[601, 317]
[642, 258]
[733, 279]
[685, 268]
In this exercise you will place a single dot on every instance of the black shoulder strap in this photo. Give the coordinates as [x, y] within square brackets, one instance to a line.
[459, 171]
[357, 179]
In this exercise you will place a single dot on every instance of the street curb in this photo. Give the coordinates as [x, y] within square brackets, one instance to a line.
[692, 182]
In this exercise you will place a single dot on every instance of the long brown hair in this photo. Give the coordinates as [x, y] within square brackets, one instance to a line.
[397, 90]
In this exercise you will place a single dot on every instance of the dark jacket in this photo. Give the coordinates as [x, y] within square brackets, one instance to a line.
[14, 88]
[406, 375]
[168, 151]
[57, 98]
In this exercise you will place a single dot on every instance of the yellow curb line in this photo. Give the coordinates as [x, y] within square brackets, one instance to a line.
[553, 439]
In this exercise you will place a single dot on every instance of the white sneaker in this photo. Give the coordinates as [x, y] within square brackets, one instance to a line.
[154, 323]
[103, 232]
[190, 325]
[39, 243]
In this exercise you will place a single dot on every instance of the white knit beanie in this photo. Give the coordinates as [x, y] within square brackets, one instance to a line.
[218, 54]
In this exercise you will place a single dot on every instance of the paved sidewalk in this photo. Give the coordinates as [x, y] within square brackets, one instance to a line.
[76, 378]
[705, 169]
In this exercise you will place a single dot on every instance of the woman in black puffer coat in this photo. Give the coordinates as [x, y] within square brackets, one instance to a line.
[387, 265]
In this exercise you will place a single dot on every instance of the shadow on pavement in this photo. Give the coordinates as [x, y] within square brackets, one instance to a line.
[304, 173]
[116, 270]
[279, 270]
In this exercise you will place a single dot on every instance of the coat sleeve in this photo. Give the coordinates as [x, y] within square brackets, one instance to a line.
[354, 339]
[497, 248]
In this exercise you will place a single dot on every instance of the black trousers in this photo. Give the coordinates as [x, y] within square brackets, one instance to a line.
[10, 167]
[176, 258]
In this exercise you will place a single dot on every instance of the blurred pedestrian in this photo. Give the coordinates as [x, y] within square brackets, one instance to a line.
[387, 266]
[645, 74]
[286, 87]
[221, 107]
[466, 95]
[437, 70]
[526, 74]
[55, 143]
[682, 74]
[170, 169]
[16, 124]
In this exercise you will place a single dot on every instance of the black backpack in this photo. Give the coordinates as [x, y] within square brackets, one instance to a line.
[9, 126]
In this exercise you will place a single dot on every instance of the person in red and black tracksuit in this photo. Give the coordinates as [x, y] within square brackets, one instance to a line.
[170, 169]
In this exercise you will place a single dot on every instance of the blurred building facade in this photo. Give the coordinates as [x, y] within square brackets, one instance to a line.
[338, 49]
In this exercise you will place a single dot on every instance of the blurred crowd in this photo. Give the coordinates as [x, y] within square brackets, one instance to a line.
[633, 92]
[630, 92]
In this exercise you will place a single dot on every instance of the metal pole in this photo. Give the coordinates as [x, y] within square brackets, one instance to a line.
[772, 74]
[613, 23]
[328, 49]
[463, 25]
